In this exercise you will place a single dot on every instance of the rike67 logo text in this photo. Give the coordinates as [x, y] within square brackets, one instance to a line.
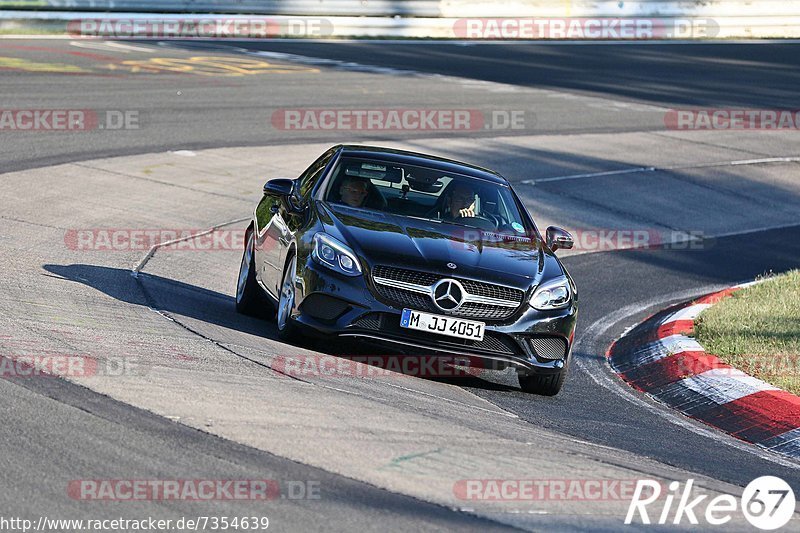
[767, 503]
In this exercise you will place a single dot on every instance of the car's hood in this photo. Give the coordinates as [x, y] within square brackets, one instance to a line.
[429, 245]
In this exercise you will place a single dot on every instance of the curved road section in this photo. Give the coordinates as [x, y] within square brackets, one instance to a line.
[172, 406]
[660, 357]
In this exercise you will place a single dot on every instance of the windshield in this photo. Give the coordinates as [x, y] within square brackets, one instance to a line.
[422, 192]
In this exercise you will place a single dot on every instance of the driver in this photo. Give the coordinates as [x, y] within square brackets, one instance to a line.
[461, 202]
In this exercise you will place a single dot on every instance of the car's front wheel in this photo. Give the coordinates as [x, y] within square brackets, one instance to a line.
[287, 330]
[249, 298]
[543, 384]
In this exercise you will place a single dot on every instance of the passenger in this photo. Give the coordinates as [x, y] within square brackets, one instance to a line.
[354, 191]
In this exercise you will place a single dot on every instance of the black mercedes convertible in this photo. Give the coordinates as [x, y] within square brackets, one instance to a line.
[415, 253]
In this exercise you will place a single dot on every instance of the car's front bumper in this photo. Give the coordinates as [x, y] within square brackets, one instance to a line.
[331, 305]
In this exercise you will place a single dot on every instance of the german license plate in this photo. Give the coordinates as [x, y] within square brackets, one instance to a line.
[443, 325]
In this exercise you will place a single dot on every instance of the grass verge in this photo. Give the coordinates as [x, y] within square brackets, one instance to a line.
[757, 330]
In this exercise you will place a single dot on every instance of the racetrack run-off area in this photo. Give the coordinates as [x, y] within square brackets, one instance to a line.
[178, 138]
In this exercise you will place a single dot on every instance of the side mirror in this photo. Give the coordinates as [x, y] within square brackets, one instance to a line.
[283, 188]
[279, 187]
[557, 238]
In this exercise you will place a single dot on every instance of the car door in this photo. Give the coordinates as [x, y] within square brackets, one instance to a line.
[305, 185]
[270, 229]
[273, 235]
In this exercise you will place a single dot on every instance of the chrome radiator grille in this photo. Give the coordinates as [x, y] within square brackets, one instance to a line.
[413, 289]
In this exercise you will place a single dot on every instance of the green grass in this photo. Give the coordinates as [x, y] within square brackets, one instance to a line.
[757, 330]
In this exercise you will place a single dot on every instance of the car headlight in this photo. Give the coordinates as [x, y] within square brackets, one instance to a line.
[335, 255]
[554, 294]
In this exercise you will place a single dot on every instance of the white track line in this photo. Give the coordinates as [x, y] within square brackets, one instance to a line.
[636, 170]
[111, 46]
[150, 253]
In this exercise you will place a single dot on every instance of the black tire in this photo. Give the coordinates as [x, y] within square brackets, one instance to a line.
[287, 329]
[250, 298]
[542, 384]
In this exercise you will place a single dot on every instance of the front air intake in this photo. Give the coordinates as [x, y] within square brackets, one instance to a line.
[548, 348]
[323, 307]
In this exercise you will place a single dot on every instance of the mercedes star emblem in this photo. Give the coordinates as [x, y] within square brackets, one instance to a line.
[448, 294]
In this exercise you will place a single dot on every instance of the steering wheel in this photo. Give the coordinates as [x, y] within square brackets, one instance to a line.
[479, 221]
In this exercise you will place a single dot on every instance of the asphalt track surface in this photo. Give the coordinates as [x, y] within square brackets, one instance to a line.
[76, 431]
[194, 112]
